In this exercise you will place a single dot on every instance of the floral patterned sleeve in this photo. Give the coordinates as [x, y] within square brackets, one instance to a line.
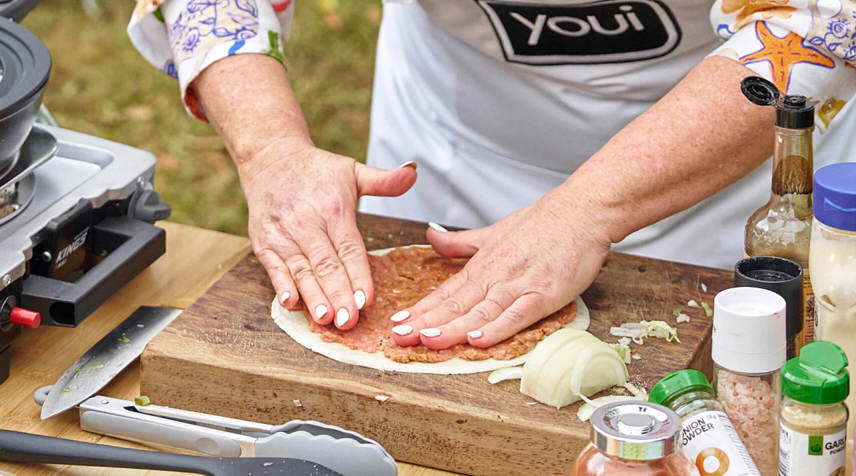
[183, 37]
[805, 47]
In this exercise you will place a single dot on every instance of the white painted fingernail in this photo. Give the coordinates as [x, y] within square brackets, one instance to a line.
[402, 330]
[474, 334]
[320, 311]
[408, 164]
[360, 298]
[400, 316]
[284, 297]
[437, 227]
[430, 332]
[342, 317]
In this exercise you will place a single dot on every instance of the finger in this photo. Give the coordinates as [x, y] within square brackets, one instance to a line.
[452, 301]
[313, 297]
[456, 331]
[280, 277]
[330, 274]
[526, 310]
[454, 244]
[385, 183]
[403, 332]
[352, 253]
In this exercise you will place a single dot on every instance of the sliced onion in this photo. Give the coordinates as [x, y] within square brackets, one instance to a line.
[506, 373]
[570, 363]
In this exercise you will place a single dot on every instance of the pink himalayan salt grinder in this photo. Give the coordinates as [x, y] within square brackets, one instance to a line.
[749, 348]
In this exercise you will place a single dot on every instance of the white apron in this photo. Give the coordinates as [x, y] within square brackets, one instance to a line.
[499, 102]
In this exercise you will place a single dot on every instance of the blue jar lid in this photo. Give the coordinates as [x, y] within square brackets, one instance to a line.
[835, 195]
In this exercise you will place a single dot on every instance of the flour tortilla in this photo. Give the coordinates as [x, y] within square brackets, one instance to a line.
[294, 324]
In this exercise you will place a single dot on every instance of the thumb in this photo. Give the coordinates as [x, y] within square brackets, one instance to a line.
[454, 244]
[386, 183]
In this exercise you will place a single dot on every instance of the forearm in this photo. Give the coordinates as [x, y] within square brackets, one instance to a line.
[699, 138]
[248, 100]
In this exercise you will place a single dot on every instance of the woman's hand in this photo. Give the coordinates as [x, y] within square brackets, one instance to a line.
[303, 227]
[522, 268]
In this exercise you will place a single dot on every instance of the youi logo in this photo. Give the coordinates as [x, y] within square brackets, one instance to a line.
[611, 31]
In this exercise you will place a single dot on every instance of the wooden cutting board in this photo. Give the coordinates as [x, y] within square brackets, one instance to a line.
[225, 355]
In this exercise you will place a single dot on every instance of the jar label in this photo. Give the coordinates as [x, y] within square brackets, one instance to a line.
[801, 453]
[711, 442]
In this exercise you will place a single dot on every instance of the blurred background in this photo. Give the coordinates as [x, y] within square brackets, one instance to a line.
[100, 85]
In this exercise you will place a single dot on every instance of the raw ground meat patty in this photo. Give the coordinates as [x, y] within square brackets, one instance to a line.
[404, 276]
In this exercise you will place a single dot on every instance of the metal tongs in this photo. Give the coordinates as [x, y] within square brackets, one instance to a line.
[341, 450]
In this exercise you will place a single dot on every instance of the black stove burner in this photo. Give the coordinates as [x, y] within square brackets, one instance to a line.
[17, 184]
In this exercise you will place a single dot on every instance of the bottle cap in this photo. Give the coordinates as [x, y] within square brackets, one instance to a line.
[792, 112]
[749, 330]
[819, 375]
[835, 195]
[678, 383]
[638, 431]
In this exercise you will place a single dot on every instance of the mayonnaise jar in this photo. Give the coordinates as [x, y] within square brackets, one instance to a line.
[832, 260]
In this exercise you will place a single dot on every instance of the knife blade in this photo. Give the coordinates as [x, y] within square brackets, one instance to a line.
[97, 367]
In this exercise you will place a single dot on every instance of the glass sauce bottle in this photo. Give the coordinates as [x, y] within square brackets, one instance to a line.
[634, 439]
[782, 227]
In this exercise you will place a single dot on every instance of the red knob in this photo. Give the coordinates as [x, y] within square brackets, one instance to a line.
[25, 317]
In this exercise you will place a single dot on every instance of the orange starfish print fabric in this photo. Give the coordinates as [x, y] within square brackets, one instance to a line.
[783, 54]
[746, 8]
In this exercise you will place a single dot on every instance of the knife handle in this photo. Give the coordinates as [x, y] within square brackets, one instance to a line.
[28, 448]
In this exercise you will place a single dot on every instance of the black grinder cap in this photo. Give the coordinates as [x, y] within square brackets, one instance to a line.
[792, 112]
[25, 65]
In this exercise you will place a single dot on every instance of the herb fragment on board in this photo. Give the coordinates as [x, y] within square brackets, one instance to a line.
[677, 311]
[95, 367]
[124, 340]
[65, 390]
[707, 310]
[142, 401]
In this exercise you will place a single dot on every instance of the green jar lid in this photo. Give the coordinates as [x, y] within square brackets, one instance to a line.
[677, 383]
[819, 375]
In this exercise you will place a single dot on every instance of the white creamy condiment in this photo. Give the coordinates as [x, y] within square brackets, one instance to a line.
[832, 260]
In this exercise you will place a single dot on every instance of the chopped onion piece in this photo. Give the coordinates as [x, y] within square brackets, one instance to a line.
[637, 330]
[693, 303]
[703, 287]
[635, 356]
[683, 318]
[636, 391]
[505, 373]
[707, 310]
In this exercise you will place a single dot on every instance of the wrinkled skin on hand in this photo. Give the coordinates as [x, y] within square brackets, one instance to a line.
[302, 226]
[521, 269]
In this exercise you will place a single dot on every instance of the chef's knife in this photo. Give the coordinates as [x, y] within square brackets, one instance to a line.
[97, 367]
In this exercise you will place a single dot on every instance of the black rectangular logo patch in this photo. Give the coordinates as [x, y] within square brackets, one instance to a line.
[611, 31]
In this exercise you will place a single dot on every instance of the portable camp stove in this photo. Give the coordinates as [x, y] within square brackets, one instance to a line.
[75, 226]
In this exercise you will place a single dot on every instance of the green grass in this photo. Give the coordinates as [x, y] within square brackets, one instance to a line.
[100, 85]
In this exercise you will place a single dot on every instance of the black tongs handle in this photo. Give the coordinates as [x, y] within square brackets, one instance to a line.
[27, 448]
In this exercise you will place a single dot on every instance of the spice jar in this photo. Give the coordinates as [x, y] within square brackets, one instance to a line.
[813, 416]
[748, 349]
[634, 439]
[707, 437]
[833, 253]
